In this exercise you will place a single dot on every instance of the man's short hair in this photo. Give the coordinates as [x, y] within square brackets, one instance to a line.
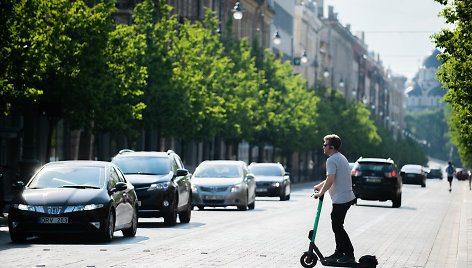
[333, 140]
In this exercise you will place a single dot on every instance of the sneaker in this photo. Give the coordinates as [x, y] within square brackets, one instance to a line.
[346, 259]
[334, 257]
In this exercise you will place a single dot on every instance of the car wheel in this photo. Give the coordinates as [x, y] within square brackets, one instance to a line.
[245, 204]
[171, 218]
[185, 215]
[397, 202]
[282, 195]
[130, 232]
[423, 184]
[252, 205]
[109, 227]
[17, 237]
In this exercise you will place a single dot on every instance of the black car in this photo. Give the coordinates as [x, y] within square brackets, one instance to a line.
[377, 179]
[413, 174]
[271, 180]
[435, 173]
[161, 182]
[74, 197]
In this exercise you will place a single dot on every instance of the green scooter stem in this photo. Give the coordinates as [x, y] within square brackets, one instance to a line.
[317, 218]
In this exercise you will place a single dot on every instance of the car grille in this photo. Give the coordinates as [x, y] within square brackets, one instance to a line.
[214, 189]
[259, 184]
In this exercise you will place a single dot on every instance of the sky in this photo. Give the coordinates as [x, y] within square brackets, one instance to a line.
[399, 30]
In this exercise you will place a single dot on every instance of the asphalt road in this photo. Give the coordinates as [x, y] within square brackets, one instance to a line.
[422, 233]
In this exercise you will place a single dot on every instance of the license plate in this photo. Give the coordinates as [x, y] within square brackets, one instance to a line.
[411, 175]
[213, 197]
[263, 190]
[53, 220]
[372, 179]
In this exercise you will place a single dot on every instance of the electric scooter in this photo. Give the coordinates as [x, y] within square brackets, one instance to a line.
[311, 257]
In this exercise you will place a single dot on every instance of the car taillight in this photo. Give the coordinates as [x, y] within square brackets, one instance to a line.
[391, 174]
[355, 173]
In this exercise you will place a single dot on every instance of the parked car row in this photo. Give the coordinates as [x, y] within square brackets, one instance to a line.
[97, 197]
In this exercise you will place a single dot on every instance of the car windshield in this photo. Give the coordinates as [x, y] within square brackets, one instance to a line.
[69, 176]
[266, 171]
[143, 165]
[411, 169]
[218, 171]
[374, 167]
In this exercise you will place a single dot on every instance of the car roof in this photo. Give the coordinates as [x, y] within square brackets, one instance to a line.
[265, 164]
[80, 163]
[375, 160]
[223, 162]
[127, 152]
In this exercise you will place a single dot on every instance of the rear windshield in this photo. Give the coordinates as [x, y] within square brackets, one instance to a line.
[143, 165]
[366, 166]
[266, 170]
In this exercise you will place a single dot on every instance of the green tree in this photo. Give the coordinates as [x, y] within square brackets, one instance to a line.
[456, 72]
[22, 51]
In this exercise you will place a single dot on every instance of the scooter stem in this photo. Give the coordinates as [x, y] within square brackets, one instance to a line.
[317, 218]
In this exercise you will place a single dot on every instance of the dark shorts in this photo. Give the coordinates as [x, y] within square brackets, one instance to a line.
[449, 178]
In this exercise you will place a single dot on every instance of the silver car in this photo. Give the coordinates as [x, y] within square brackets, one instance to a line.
[221, 183]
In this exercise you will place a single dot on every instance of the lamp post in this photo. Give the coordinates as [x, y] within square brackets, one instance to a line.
[277, 38]
[238, 15]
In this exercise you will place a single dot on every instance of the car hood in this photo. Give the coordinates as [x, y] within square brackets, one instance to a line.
[216, 181]
[141, 179]
[63, 196]
[269, 178]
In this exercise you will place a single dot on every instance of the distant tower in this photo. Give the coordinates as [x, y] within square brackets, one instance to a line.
[425, 91]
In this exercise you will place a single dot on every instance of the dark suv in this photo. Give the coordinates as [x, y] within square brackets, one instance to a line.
[161, 183]
[377, 179]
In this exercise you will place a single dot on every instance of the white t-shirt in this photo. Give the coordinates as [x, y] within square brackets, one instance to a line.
[341, 190]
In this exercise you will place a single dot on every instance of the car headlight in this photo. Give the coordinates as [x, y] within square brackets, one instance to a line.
[275, 184]
[82, 208]
[236, 188]
[158, 186]
[194, 188]
[24, 207]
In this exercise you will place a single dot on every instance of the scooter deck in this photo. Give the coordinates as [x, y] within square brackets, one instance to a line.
[337, 264]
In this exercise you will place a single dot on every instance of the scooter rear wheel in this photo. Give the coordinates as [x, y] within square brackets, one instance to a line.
[308, 259]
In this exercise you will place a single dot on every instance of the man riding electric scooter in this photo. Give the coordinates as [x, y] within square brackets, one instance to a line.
[339, 184]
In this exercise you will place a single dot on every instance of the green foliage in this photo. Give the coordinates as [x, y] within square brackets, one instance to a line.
[456, 73]
[432, 127]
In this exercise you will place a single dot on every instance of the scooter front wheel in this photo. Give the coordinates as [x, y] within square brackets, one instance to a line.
[308, 259]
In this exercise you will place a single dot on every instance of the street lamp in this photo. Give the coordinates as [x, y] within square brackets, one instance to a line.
[237, 11]
[277, 38]
[326, 72]
[304, 58]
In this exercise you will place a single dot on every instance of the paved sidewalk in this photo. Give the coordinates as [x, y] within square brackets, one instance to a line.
[453, 243]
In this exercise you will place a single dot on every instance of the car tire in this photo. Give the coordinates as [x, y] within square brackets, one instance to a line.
[109, 227]
[397, 202]
[244, 207]
[131, 231]
[423, 184]
[282, 195]
[185, 215]
[287, 197]
[252, 205]
[17, 237]
[170, 219]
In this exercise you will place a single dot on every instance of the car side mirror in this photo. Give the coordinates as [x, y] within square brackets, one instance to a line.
[287, 174]
[182, 172]
[120, 186]
[18, 186]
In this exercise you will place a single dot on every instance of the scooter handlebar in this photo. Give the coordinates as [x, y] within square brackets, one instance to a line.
[321, 197]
